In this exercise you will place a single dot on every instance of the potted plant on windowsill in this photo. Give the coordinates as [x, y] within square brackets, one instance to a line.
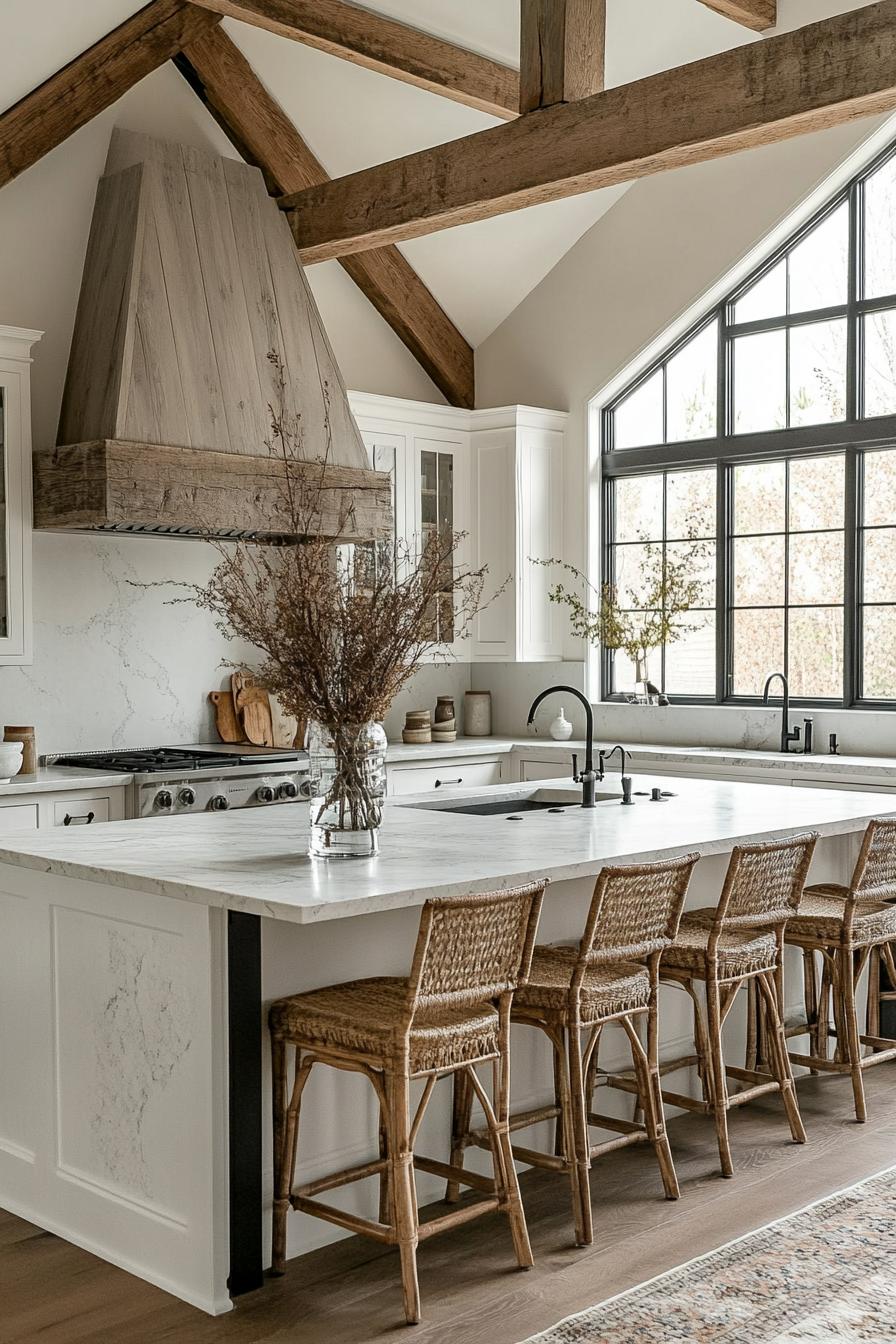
[652, 615]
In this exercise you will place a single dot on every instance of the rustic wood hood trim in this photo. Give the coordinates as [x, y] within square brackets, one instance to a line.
[111, 485]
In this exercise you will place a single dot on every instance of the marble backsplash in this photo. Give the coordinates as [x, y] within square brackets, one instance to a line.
[123, 658]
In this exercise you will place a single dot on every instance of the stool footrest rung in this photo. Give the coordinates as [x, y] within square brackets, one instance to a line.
[524, 1119]
[465, 1214]
[548, 1161]
[621, 1141]
[751, 1093]
[460, 1175]
[816, 1062]
[365, 1226]
[611, 1122]
[338, 1178]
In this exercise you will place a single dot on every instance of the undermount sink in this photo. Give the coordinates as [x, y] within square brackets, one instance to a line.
[516, 805]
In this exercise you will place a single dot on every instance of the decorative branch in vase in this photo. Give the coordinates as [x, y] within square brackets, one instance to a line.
[341, 629]
[656, 607]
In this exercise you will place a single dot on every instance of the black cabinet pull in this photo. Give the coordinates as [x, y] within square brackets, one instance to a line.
[440, 782]
[69, 820]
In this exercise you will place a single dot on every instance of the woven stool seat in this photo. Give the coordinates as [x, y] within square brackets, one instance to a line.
[822, 916]
[740, 951]
[607, 989]
[361, 1016]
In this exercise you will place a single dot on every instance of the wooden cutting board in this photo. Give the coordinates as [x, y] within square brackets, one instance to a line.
[228, 725]
[286, 727]
[253, 709]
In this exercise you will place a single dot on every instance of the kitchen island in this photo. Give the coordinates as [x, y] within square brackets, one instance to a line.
[138, 958]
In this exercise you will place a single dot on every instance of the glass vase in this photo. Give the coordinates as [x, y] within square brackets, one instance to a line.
[348, 781]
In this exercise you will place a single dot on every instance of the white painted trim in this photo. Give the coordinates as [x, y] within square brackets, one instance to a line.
[456, 418]
[213, 1306]
[16, 342]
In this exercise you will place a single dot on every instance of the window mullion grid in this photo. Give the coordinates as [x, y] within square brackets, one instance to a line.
[724, 530]
[786, 668]
[855, 323]
[663, 555]
[608, 500]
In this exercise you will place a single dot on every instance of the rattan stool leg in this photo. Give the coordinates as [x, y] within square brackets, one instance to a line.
[501, 1093]
[872, 1011]
[401, 1185]
[719, 1079]
[581, 1147]
[853, 1044]
[461, 1111]
[558, 1102]
[648, 1080]
[385, 1206]
[810, 999]
[286, 1139]
[779, 1059]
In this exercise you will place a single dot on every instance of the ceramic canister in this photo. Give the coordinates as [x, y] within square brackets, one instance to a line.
[478, 713]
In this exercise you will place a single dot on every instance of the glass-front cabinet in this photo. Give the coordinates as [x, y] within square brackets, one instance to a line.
[15, 494]
[427, 455]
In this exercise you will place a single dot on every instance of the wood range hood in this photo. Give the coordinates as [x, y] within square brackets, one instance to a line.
[191, 281]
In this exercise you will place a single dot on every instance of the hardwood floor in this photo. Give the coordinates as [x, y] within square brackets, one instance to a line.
[351, 1293]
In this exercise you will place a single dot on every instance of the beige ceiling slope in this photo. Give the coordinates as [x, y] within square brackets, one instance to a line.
[190, 282]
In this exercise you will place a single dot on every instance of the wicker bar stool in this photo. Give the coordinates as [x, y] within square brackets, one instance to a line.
[852, 928]
[738, 943]
[611, 976]
[450, 1014]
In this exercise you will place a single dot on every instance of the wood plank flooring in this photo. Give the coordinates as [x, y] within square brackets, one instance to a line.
[350, 1293]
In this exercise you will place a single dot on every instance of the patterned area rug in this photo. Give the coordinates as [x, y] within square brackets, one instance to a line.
[826, 1274]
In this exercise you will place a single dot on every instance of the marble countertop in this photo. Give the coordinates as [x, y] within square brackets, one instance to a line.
[405, 754]
[741, 757]
[59, 778]
[255, 860]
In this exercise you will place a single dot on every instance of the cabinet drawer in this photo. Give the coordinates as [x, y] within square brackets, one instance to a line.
[80, 811]
[451, 775]
[18, 817]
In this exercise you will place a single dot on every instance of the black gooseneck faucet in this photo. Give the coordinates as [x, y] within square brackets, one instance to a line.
[588, 778]
[787, 736]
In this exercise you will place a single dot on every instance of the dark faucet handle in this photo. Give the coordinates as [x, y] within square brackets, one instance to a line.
[575, 769]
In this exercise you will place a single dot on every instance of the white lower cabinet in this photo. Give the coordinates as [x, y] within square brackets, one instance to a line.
[84, 807]
[561, 768]
[454, 773]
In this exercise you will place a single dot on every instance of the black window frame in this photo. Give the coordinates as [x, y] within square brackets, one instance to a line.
[852, 436]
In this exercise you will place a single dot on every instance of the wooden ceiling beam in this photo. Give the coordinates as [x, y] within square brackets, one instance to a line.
[790, 84]
[756, 14]
[391, 48]
[94, 80]
[265, 137]
[561, 51]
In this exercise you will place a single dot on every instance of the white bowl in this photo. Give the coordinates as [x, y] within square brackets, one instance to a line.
[10, 760]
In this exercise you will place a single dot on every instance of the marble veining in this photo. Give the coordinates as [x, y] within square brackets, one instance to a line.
[255, 860]
[141, 1034]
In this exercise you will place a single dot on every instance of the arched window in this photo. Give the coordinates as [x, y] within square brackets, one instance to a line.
[768, 434]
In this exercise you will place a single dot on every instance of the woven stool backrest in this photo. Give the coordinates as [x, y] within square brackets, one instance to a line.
[471, 949]
[635, 910]
[764, 883]
[874, 876]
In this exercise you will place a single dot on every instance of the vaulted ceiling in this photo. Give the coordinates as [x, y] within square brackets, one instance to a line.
[352, 117]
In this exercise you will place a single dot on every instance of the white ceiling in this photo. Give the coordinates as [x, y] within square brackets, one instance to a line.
[353, 117]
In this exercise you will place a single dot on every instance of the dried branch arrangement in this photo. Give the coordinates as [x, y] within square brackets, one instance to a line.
[341, 628]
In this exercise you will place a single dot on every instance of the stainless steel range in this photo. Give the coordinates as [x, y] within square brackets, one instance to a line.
[171, 781]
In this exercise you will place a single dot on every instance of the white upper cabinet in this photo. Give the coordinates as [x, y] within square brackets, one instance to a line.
[517, 463]
[495, 476]
[15, 505]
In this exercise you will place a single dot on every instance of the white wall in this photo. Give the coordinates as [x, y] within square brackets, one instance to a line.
[115, 664]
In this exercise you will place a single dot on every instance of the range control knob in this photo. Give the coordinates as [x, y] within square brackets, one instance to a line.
[264, 793]
[186, 797]
[219, 803]
[163, 800]
[306, 788]
[287, 789]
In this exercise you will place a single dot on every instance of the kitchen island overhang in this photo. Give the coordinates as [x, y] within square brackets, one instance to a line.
[139, 957]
